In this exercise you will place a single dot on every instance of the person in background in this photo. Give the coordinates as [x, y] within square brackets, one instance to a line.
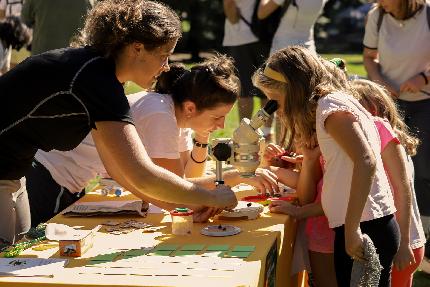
[297, 24]
[13, 35]
[396, 55]
[56, 98]
[12, 8]
[248, 54]
[183, 102]
[54, 22]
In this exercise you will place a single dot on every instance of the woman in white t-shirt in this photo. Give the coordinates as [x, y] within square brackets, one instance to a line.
[397, 55]
[297, 24]
[197, 100]
[316, 99]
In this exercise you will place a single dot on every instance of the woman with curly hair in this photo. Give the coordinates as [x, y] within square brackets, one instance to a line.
[53, 100]
[184, 102]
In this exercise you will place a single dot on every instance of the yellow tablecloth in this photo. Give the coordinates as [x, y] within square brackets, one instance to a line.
[265, 232]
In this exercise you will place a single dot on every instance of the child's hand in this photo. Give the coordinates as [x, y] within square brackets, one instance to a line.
[404, 257]
[271, 151]
[264, 180]
[202, 214]
[292, 157]
[354, 244]
[280, 206]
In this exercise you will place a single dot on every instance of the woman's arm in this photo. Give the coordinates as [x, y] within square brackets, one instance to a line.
[231, 11]
[126, 160]
[395, 165]
[195, 162]
[264, 180]
[346, 131]
[266, 8]
[373, 69]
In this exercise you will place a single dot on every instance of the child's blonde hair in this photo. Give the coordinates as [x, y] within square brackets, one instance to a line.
[379, 103]
[305, 78]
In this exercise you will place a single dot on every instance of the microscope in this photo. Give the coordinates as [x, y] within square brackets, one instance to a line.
[243, 150]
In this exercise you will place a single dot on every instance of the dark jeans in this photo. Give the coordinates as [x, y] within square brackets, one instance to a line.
[47, 198]
[385, 235]
[417, 118]
[247, 59]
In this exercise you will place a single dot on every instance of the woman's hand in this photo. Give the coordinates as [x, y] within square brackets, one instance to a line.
[202, 214]
[404, 257]
[280, 206]
[224, 198]
[413, 85]
[354, 244]
[264, 180]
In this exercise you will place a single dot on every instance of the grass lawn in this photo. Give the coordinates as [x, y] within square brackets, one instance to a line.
[354, 63]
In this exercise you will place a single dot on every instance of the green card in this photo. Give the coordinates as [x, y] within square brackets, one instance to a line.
[136, 252]
[160, 253]
[218, 248]
[186, 252]
[193, 247]
[241, 254]
[94, 262]
[166, 247]
[243, 248]
[105, 257]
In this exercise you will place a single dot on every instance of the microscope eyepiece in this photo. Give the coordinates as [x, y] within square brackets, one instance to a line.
[271, 106]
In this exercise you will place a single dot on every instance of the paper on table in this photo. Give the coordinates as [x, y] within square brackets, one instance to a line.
[55, 231]
[155, 209]
[106, 207]
[23, 267]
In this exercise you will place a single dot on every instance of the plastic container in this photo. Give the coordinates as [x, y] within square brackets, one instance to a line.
[182, 221]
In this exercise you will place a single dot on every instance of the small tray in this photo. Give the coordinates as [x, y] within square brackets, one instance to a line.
[220, 230]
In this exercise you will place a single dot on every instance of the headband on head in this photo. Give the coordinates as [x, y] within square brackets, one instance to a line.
[272, 74]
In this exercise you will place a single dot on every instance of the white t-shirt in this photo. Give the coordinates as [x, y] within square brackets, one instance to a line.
[154, 118]
[417, 237]
[403, 48]
[339, 166]
[297, 25]
[13, 8]
[240, 33]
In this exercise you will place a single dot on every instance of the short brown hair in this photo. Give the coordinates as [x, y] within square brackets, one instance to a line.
[113, 24]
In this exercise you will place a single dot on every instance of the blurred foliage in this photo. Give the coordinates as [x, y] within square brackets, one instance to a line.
[202, 23]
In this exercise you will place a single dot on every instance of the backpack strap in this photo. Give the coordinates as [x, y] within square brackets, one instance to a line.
[380, 18]
[428, 13]
[284, 9]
